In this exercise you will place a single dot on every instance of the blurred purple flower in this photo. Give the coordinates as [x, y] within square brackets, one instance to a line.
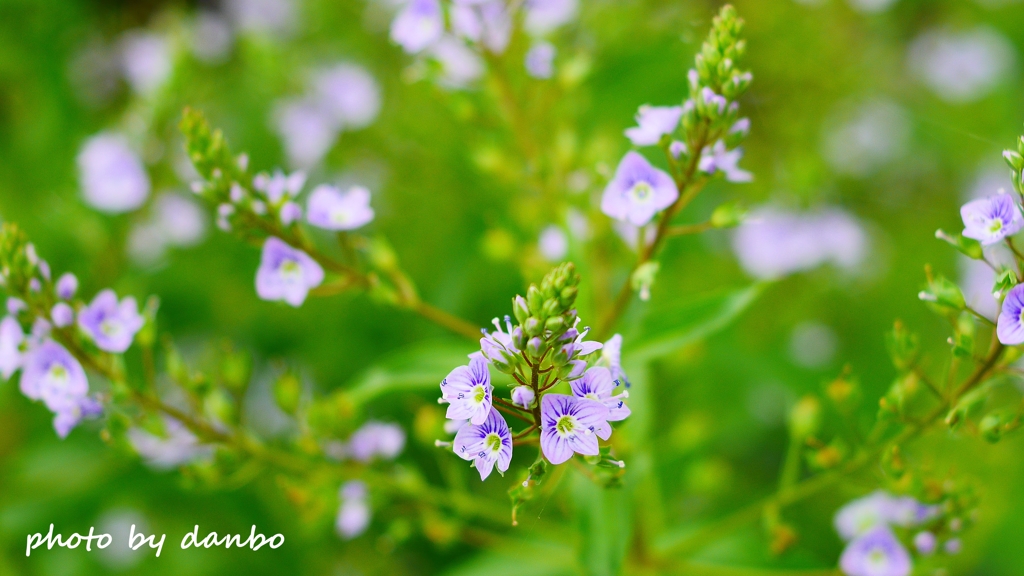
[11, 338]
[111, 324]
[719, 159]
[331, 209]
[349, 94]
[653, 122]
[486, 444]
[961, 66]
[62, 315]
[280, 186]
[924, 542]
[989, 220]
[67, 285]
[418, 25]
[637, 191]
[176, 447]
[570, 425]
[875, 553]
[51, 374]
[544, 16]
[460, 65]
[15, 306]
[467, 390]
[611, 356]
[210, 37]
[145, 59]
[307, 128]
[262, 16]
[376, 439]
[553, 244]
[354, 513]
[286, 273]
[772, 243]
[879, 509]
[112, 176]
[540, 60]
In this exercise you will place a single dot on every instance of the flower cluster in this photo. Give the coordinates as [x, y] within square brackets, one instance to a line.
[702, 134]
[476, 27]
[542, 352]
[870, 525]
[49, 371]
[265, 208]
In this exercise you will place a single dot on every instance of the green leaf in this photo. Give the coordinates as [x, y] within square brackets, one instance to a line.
[416, 368]
[605, 523]
[521, 558]
[670, 328]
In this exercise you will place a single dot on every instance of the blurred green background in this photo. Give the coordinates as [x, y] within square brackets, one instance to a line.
[822, 70]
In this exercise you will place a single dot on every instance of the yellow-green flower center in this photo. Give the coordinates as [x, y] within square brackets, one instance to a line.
[641, 192]
[565, 424]
[493, 442]
[479, 394]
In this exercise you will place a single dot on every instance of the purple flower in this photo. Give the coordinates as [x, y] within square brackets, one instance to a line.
[553, 243]
[540, 60]
[467, 390]
[290, 212]
[15, 305]
[331, 209]
[877, 509]
[178, 446]
[570, 424]
[924, 542]
[1009, 326]
[499, 346]
[611, 356]
[110, 324]
[62, 315]
[486, 444]
[418, 25]
[349, 93]
[67, 285]
[11, 338]
[286, 273]
[719, 159]
[354, 513]
[637, 191]
[597, 384]
[989, 220]
[307, 129]
[460, 65]
[653, 122]
[543, 16]
[485, 21]
[51, 374]
[280, 186]
[112, 176]
[376, 439]
[523, 396]
[576, 346]
[952, 546]
[146, 59]
[875, 553]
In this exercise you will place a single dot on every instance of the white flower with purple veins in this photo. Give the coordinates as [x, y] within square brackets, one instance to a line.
[376, 439]
[540, 60]
[112, 176]
[876, 553]
[286, 273]
[176, 447]
[597, 384]
[718, 158]
[576, 346]
[486, 444]
[1010, 325]
[571, 425]
[51, 374]
[331, 209]
[11, 337]
[543, 16]
[467, 390]
[354, 513]
[499, 346]
[989, 220]
[638, 191]
[653, 122]
[349, 93]
[111, 324]
[418, 25]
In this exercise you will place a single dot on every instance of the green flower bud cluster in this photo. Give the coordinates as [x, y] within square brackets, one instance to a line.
[19, 264]
[715, 81]
[1015, 159]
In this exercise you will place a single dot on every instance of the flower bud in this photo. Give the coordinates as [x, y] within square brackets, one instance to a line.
[534, 347]
[551, 307]
[555, 324]
[1014, 159]
[523, 396]
[287, 392]
[534, 299]
[533, 326]
[520, 309]
[805, 418]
